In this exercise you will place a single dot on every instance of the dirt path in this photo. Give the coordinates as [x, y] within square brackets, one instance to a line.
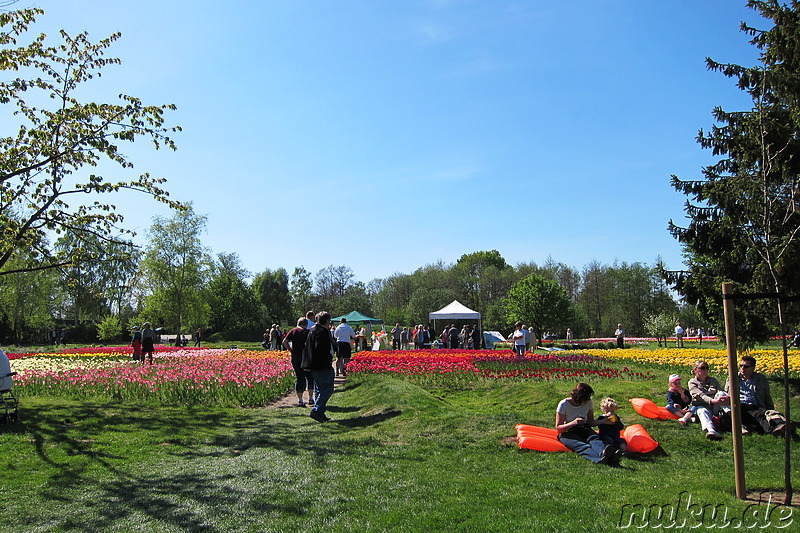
[289, 400]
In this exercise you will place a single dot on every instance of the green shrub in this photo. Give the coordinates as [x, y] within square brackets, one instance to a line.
[109, 329]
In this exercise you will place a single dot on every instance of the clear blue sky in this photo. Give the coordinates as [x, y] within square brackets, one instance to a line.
[386, 135]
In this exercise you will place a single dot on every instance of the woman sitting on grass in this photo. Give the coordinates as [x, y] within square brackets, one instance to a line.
[708, 398]
[574, 418]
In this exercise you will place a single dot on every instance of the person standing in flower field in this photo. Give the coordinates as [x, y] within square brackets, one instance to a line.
[452, 335]
[295, 341]
[274, 337]
[679, 333]
[344, 335]
[476, 338]
[519, 339]
[148, 339]
[396, 333]
[136, 343]
[317, 359]
[405, 339]
[620, 335]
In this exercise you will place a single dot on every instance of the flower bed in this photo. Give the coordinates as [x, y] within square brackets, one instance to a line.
[462, 368]
[769, 361]
[179, 376]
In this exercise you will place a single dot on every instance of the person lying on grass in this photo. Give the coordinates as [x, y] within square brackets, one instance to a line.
[574, 418]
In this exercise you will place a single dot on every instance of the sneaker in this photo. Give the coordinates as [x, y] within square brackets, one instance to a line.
[318, 417]
[779, 430]
[713, 435]
[300, 404]
[745, 431]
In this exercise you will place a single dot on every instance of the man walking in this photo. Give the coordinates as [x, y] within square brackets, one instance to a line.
[317, 359]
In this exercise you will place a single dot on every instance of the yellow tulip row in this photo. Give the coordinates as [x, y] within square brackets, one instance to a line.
[769, 361]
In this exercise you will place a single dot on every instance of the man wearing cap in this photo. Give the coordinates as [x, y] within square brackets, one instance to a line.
[755, 400]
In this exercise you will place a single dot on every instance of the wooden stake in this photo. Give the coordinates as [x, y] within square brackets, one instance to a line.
[733, 379]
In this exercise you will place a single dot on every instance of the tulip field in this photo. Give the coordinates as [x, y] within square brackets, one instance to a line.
[250, 378]
[420, 440]
[179, 375]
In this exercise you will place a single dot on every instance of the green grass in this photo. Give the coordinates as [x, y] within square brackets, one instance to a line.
[396, 458]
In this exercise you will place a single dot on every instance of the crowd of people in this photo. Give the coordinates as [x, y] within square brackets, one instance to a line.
[705, 401]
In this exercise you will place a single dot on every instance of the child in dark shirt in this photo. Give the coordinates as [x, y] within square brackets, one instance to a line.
[679, 400]
[609, 431]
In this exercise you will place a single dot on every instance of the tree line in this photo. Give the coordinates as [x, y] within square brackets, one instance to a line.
[177, 283]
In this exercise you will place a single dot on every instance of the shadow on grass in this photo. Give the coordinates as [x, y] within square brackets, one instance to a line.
[368, 420]
[66, 439]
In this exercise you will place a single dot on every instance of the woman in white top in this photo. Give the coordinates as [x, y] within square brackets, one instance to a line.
[519, 339]
[574, 421]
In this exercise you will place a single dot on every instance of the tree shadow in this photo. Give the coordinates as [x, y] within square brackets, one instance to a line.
[368, 420]
[74, 441]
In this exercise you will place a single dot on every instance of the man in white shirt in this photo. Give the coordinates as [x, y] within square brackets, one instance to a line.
[519, 339]
[344, 334]
[679, 332]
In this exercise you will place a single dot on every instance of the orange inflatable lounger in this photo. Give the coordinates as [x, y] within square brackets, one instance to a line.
[649, 409]
[539, 439]
[545, 439]
[638, 439]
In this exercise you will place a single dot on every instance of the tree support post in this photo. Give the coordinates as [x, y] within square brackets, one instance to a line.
[733, 379]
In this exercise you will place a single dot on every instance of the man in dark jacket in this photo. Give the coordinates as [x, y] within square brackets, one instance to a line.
[318, 359]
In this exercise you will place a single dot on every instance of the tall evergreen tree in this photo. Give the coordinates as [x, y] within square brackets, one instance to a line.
[743, 214]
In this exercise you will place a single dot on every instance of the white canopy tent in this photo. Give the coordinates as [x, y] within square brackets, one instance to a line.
[455, 311]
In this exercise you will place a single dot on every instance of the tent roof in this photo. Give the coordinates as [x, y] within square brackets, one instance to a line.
[358, 318]
[455, 309]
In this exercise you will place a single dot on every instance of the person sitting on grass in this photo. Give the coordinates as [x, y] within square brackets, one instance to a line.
[755, 400]
[706, 398]
[610, 432]
[574, 418]
[679, 401]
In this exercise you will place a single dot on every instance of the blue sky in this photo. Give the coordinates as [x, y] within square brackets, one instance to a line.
[386, 135]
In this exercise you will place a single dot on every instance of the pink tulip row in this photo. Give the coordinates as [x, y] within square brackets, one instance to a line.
[183, 376]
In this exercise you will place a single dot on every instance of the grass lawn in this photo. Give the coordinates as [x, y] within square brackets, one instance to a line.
[397, 457]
